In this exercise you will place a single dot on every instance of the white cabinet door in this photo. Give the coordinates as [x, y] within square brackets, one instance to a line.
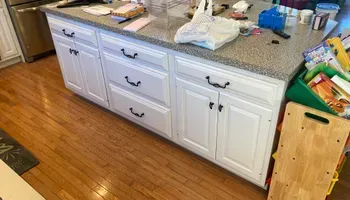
[243, 130]
[197, 117]
[7, 42]
[90, 65]
[69, 63]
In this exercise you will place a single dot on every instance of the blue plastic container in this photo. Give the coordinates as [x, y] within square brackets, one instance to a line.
[330, 8]
[272, 19]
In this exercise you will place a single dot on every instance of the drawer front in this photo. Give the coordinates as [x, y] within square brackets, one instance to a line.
[134, 51]
[149, 82]
[140, 109]
[218, 78]
[73, 31]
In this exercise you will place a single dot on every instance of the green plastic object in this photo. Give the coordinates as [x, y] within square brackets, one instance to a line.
[322, 67]
[300, 93]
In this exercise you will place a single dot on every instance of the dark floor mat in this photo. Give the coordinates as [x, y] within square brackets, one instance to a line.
[15, 155]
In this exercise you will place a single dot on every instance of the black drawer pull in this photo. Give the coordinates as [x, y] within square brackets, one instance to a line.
[220, 107]
[127, 55]
[216, 84]
[136, 114]
[66, 34]
[132, 83]
[211, 105]
[73, 51]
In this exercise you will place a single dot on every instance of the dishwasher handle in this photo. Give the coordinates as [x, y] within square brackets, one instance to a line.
[32, 9]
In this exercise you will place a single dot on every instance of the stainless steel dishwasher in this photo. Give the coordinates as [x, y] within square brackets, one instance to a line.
[31, 27]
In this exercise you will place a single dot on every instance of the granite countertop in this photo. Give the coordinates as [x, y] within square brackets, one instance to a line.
[254, 53]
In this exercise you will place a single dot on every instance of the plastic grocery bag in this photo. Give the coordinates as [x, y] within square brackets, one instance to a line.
[206, 30]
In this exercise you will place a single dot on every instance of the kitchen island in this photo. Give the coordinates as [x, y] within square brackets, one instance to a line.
[223, 105]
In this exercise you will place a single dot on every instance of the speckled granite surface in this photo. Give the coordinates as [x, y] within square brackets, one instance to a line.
[254, 53]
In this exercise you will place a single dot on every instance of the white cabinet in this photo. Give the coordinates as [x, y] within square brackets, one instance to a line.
[137, 77]
[224, 114]
[7, 41]
[135, 51]
[142, 110]
[90, 65]
[243, 131]
[224, 127]
[214, 77]
[197, 117]
[81, 68]
[69, 64]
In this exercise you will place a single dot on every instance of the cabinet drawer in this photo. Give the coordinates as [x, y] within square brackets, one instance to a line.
[73, 31]
[134, 51]
[140, 109]
[149, 82]
[215, 77]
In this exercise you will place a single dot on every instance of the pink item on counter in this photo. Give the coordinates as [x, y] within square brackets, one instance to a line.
[137, 25]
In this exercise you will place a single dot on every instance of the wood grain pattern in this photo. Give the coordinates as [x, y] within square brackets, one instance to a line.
[88, 152]
[308, 153]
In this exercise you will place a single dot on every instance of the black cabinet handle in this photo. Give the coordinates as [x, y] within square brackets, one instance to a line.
[211, 105]
[216, 84]
[136, 114]
[132, 83]
[220, 107]
[73, 51]
[127, 55]
[66, 34]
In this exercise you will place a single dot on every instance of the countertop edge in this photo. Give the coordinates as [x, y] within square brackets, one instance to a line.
[232, 63]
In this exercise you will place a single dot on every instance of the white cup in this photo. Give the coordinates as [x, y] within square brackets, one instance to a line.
[306, 16]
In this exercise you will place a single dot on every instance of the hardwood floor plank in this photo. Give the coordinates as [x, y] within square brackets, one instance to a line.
[126, 188]
[105, 193]
[76, 163]
[36, 147]
[112, 186]
[240, 188]
[216, 189]
[39, 186]
[145, 191]
[200, 190]
[164, 194]
[65, 195]
[46, 180]
[60, 180]
[106, 188]
[130, 173]
[184, 173]
[52, 155]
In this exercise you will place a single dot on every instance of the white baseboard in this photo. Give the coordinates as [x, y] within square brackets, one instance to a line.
[9, 62]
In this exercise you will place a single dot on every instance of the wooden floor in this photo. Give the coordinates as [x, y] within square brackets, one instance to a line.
[87, 152]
